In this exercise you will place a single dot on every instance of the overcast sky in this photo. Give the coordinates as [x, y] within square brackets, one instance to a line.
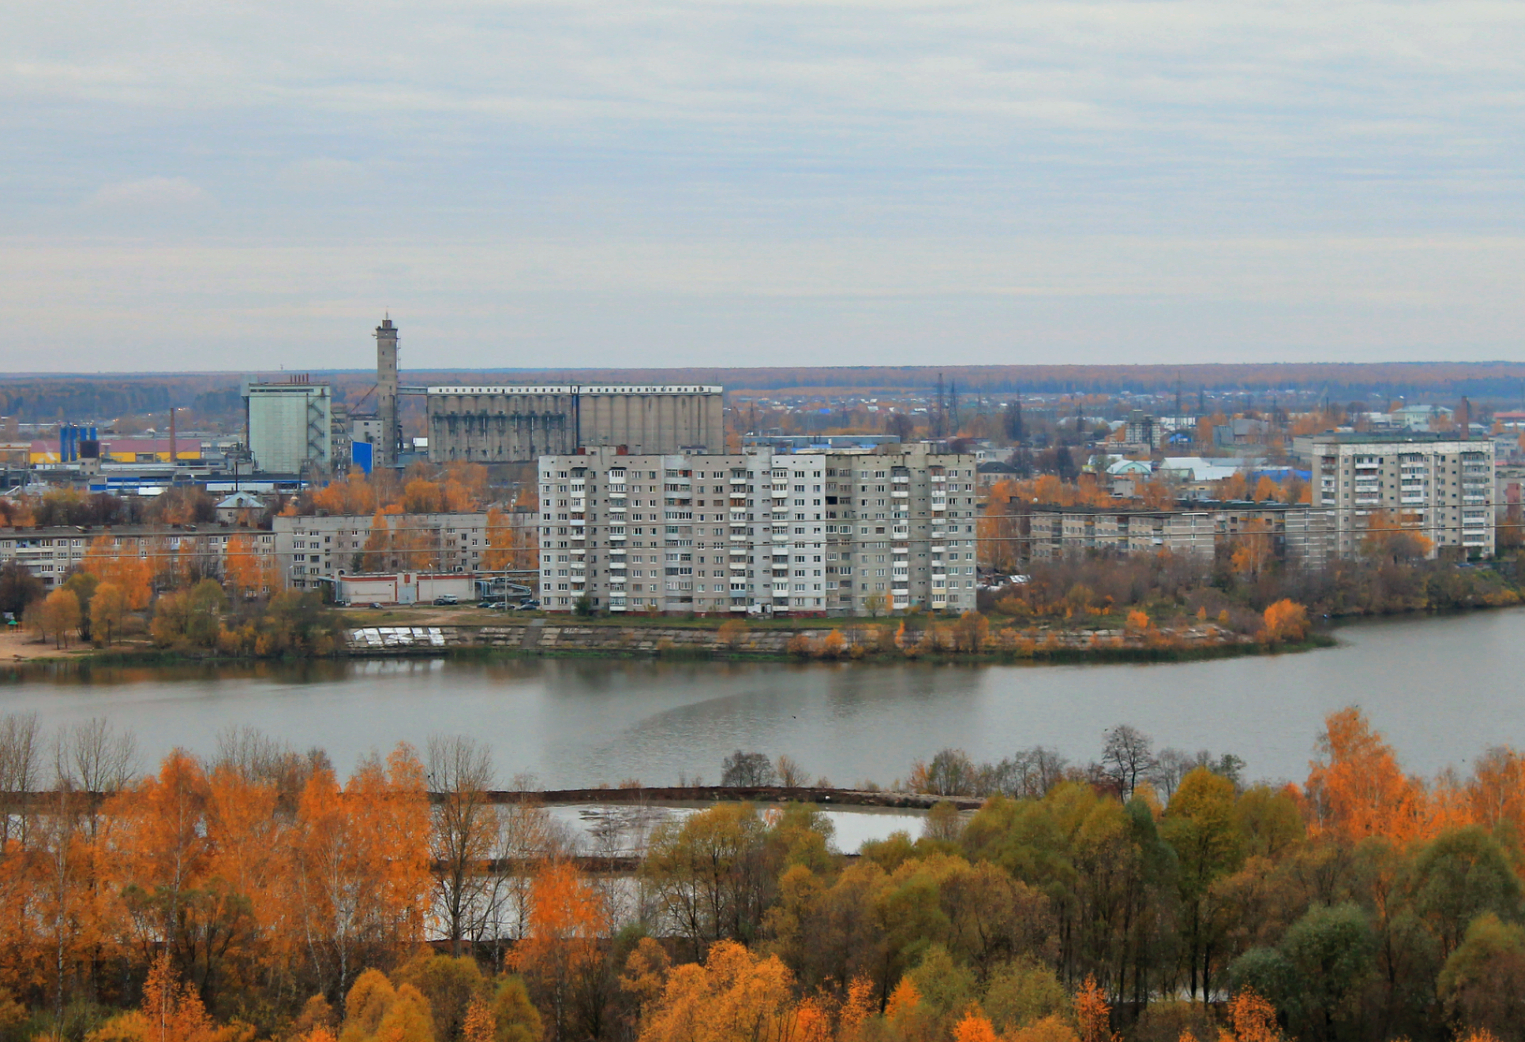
[204, 185]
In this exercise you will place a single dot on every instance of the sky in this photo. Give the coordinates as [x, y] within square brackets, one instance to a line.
[223, 186]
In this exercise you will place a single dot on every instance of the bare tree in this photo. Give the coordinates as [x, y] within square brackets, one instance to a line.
[20, 761]
[1040, 769]
[1127, 757]
[746, 770]
[1169, 768]
[250, 752]
[790, 774]
[464, 830]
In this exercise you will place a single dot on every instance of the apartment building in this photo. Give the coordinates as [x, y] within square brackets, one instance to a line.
[825, 532]
[50, 553]
[1297, 533]
[315, 550]
[1438, 484]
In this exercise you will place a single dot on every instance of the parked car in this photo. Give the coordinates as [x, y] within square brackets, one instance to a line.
[529, 606]
[494, 605]
[446, 598]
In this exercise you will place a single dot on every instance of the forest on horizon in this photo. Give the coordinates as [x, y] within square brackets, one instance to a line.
[48, 398]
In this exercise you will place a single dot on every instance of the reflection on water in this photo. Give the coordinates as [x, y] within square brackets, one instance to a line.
[1443, 689]
[623, 829]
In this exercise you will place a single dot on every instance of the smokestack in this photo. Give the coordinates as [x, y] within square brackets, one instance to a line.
[1466, 419]
[172, 436]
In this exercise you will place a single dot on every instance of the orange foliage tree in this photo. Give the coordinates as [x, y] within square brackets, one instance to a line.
[361, 874]
[733, 996]
[509, 546]
[1396, 537]
[1356, 788]
[131, 572]
[1252, 1019]
[242, 567]
[1286, 622]
[1092, 1013]
[567, 918]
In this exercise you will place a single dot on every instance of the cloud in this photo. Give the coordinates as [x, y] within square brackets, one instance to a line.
[149, 195]
[673, 155]
[322, 174]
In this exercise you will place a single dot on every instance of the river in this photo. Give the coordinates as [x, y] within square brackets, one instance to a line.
[1442, 689]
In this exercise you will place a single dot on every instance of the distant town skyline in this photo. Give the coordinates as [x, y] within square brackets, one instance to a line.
[585, 184]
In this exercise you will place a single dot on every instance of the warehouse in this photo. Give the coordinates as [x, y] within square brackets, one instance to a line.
[509, 423]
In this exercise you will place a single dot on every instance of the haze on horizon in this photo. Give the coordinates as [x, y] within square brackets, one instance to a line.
[584, 183]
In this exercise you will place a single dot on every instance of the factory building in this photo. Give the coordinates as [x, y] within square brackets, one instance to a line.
[509, 424]
[295, 428]
[290, 426]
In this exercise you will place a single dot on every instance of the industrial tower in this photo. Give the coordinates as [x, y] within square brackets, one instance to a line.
[386, 393]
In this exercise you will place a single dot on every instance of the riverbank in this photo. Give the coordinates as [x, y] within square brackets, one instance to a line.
[544, 638]
[577, 721]
[19, 646]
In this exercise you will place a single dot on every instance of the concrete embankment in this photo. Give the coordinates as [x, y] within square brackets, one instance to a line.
[545, 636]
[687, 794]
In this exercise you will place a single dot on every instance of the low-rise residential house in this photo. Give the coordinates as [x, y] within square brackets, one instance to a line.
[316, 550]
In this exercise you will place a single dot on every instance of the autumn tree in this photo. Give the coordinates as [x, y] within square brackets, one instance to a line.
[733, 996]
[58, 615]
[499, 554]
[83, 585]
[1202, 825]
[1286, 621]
[1394, 537]
[422, 497]
[1127, 756]
[1251, 1018]
[161, 855]
[1356, 789]
[375, 555]
[566, 921]
[241, 566]
[1482, 983]
[172, 1010]
[1093, 1014]
[107, 609]
[113, 562]
[360, 866]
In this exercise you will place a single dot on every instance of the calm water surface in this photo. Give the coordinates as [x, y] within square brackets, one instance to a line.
[1442, 689]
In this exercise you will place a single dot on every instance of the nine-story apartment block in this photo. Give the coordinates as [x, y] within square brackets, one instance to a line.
[1440, 486]
[758, 532]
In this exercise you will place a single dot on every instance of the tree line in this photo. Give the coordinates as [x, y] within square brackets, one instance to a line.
[1151, 896]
